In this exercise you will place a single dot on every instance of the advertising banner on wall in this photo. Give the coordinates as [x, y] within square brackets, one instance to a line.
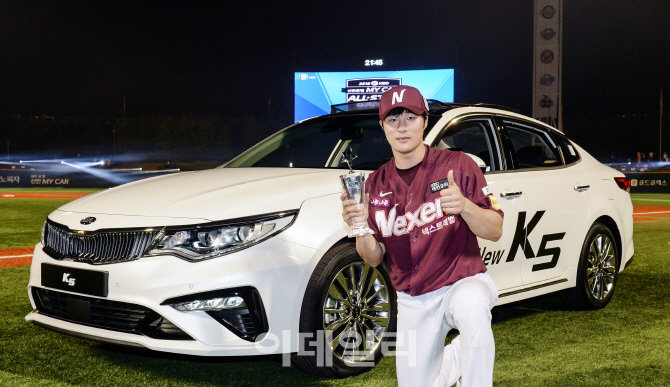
[51, 178]
[315, 92]
[24, 178]
[547, 60]
[649, 182]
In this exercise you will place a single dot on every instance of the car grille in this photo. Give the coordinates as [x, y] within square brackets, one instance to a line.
[106, 314]
[103, 247]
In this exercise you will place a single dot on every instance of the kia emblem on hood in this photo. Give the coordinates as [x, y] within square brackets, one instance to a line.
[88, 220]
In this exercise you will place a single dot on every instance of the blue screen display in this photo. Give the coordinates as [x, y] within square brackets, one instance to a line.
[316, 92]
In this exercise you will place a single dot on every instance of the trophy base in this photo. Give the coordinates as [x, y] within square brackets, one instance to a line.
[361, 232]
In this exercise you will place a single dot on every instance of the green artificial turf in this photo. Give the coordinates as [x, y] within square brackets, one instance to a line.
[627, 343]
[21, 220]
[538, 342]
[661, 200]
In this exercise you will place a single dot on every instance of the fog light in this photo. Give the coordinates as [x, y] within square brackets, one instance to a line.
[212, 304]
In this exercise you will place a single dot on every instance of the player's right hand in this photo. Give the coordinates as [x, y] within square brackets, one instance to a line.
[352, 212]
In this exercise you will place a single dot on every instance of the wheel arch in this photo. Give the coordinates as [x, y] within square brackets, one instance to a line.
[614, 228]
[344, 240]
[311, 302]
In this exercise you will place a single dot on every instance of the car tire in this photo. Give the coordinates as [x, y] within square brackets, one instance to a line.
[597, 271]
[369, 310]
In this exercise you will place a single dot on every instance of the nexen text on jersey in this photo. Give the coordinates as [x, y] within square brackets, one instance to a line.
[402, 225]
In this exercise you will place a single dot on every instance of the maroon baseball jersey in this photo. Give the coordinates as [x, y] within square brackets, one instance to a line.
[427, 249]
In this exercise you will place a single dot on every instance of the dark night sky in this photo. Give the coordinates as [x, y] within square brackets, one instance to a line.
[80, 58]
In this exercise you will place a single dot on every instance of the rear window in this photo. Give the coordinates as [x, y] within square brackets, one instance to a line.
[570, 153]
[531, 147]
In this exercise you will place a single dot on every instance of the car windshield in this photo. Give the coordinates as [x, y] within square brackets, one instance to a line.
[319, 143]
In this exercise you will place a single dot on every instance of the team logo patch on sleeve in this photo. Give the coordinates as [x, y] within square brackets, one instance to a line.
[494, 202]
[380, 202]
[439, 185]
[486, 190]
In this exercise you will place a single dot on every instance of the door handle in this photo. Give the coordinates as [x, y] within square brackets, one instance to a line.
[582, 187]
[509, 194]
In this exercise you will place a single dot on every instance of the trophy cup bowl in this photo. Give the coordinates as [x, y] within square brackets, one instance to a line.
[354, 186]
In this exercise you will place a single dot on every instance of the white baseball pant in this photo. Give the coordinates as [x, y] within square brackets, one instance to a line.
[422, 360]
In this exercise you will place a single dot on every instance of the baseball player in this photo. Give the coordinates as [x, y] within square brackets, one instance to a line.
[438, 204]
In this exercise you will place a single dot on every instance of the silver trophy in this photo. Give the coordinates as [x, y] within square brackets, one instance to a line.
[354, 186]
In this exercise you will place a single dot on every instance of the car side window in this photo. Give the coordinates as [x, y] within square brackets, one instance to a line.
[369, 144]
[470, 136]
[533, 149]
[570, 154]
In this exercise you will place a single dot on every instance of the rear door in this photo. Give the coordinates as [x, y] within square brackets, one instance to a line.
[548, 235]
[478, 135]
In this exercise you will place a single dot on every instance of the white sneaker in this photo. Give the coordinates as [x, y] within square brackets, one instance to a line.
[459, 382]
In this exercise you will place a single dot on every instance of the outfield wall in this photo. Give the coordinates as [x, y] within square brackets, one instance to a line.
[23, 178]
[649, 182]
[641, 182]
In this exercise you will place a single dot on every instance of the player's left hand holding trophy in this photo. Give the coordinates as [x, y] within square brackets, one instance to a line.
[354, 187]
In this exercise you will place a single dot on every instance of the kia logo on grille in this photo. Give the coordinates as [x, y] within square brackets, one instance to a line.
[88, 220]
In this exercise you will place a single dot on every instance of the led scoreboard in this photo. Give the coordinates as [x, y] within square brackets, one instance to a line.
[316, 92]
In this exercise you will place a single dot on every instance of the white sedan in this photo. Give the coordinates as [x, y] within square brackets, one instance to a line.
[253, 257]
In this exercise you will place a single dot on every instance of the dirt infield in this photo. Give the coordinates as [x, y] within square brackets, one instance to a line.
[43, 195]
[21, 256]
[649, 213]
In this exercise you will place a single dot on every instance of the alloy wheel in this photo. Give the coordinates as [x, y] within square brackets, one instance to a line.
[601, 267]
[356, 312]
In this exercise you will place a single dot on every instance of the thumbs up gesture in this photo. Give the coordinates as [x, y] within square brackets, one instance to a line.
[453, 202]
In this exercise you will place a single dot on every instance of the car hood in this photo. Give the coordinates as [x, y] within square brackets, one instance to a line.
[211, 195]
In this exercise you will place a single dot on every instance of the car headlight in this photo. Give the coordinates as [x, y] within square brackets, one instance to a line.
[206, 241]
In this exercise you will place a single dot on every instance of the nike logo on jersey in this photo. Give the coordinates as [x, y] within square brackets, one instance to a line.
[382, 194]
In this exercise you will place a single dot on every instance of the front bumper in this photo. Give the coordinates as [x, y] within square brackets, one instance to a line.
[277, 269]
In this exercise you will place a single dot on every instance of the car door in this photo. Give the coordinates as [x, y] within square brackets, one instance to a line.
[549, 234]
[478, 135]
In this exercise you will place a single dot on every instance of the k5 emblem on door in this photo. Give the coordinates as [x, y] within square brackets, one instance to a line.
[521, 235]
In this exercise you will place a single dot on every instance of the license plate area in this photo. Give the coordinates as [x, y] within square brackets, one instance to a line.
[89, 282]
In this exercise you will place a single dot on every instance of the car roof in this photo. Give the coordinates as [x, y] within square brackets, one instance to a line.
[434, 107]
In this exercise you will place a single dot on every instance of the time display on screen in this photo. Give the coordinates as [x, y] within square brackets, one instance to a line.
[374, 62]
